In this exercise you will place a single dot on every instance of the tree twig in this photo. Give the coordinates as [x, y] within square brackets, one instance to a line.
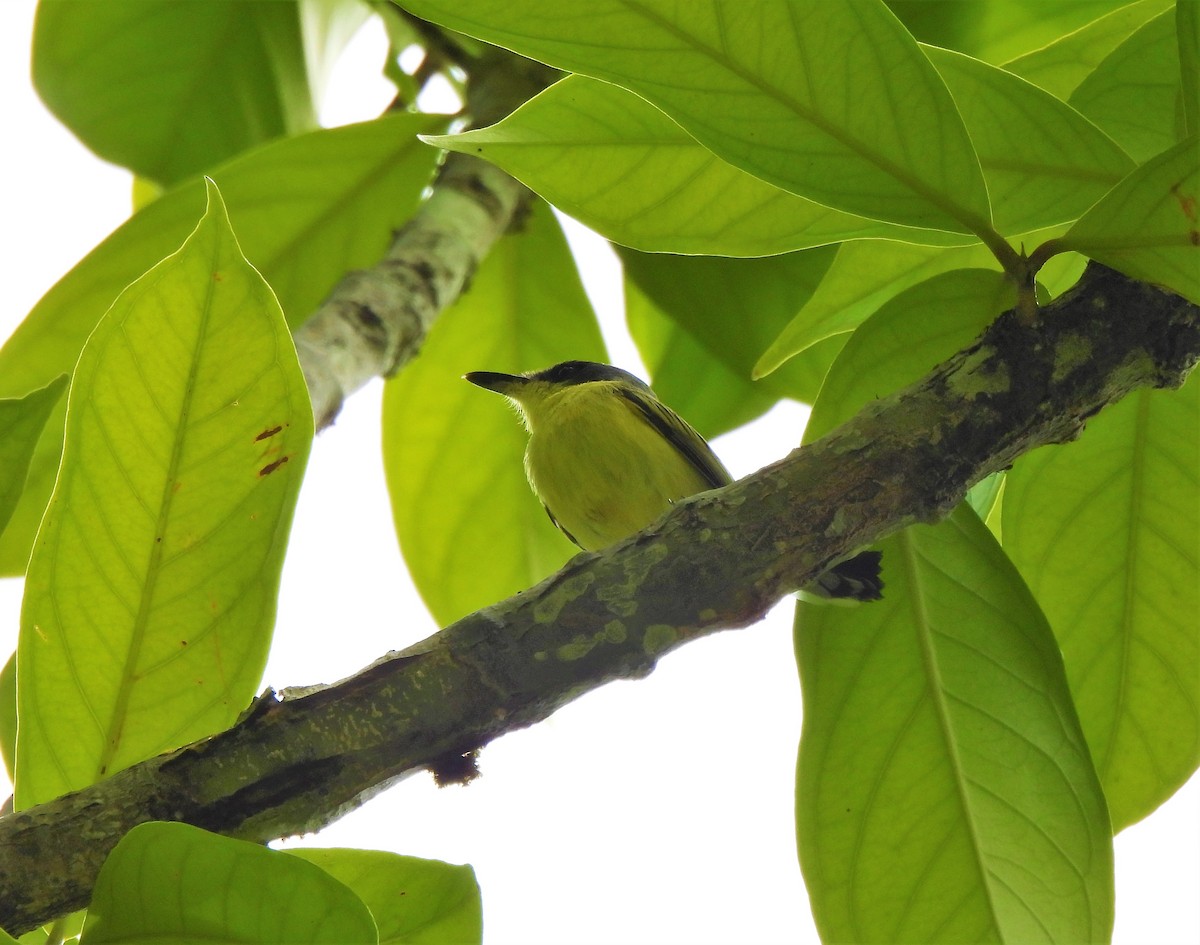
[375, 319]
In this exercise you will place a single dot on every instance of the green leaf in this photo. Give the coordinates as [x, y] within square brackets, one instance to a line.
[413, 901]
[1106, 531]
[804, 96]
[918, 329]
[984, 497]
[63, 929]
[471, 530]
[1148, 226]
[170, 89]
[151, 590]
[1060, 66]
[939, 685]
[615, 162]
[995, 30]
[1187, 29]
[21, 423]
[167, 882]
[8, 714]
[347, 190]
[863, 276]
[1044, 163]
[868, 273]
[700, 322]
[944, 789]
[1134, 94]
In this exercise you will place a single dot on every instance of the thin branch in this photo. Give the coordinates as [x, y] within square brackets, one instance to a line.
[375, 319]
[718, 560]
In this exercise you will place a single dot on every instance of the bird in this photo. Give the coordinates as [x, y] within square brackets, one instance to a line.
[606, 458]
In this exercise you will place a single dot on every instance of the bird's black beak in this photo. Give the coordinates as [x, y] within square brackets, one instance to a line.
[491, 380]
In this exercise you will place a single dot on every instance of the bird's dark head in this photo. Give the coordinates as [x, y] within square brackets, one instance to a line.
[565, 374]
[569, 373]
[534, 391]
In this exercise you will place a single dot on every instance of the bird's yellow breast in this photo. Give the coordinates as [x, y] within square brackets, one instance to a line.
[600, 468]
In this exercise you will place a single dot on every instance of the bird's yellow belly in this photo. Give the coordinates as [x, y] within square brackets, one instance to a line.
[600, 483]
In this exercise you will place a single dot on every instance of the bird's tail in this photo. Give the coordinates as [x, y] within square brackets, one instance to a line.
[855, 578]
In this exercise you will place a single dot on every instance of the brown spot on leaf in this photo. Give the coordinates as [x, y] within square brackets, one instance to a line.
[271, 467]
[268, 433]
[1187, 202]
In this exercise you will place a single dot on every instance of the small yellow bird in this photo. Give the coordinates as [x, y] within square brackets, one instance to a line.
[607, 457]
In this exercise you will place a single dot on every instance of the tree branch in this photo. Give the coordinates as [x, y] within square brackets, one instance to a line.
[375, 319]
[718, 560]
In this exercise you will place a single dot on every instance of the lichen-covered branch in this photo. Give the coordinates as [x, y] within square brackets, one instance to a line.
[718, 560]
[375, 319]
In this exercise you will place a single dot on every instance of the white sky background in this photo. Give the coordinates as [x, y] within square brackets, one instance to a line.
[655, 811]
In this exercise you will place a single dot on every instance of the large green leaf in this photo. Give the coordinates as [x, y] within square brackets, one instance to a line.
[612, 160]
[913, 823]
[413, 901]
[995, 30]
[150, 596]
[1060, 66]
[700, 323]
[722, 397]
[1134, 94]
[1044, 163]
[1187, 28]
[1106, 531]
[1148, 226]
[944, 789]
[169, 89]
[471, 530]
[8, 714]
[167, 882]
[868, 273]
[906, 338]
[21, 423]
[832, 101]
[306, 210]
[862, 277]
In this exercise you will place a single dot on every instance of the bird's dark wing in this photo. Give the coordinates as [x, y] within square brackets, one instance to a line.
[559, 526]
[679, 433]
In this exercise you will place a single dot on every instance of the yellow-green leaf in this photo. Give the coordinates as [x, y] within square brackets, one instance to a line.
[150, 597]
[347, 190]
[1060, 66]
[1148, 226]
[8, 714]
[1135, 94]
[413, 901]
[1044, 162]
[868, 273]
[21, 423]
[1106, 530]
[1187, 29]
[169, 89]
[166, 882]
[944, 790]
[615, 162]
[701, 321]
[832, 101]
[906, 339]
